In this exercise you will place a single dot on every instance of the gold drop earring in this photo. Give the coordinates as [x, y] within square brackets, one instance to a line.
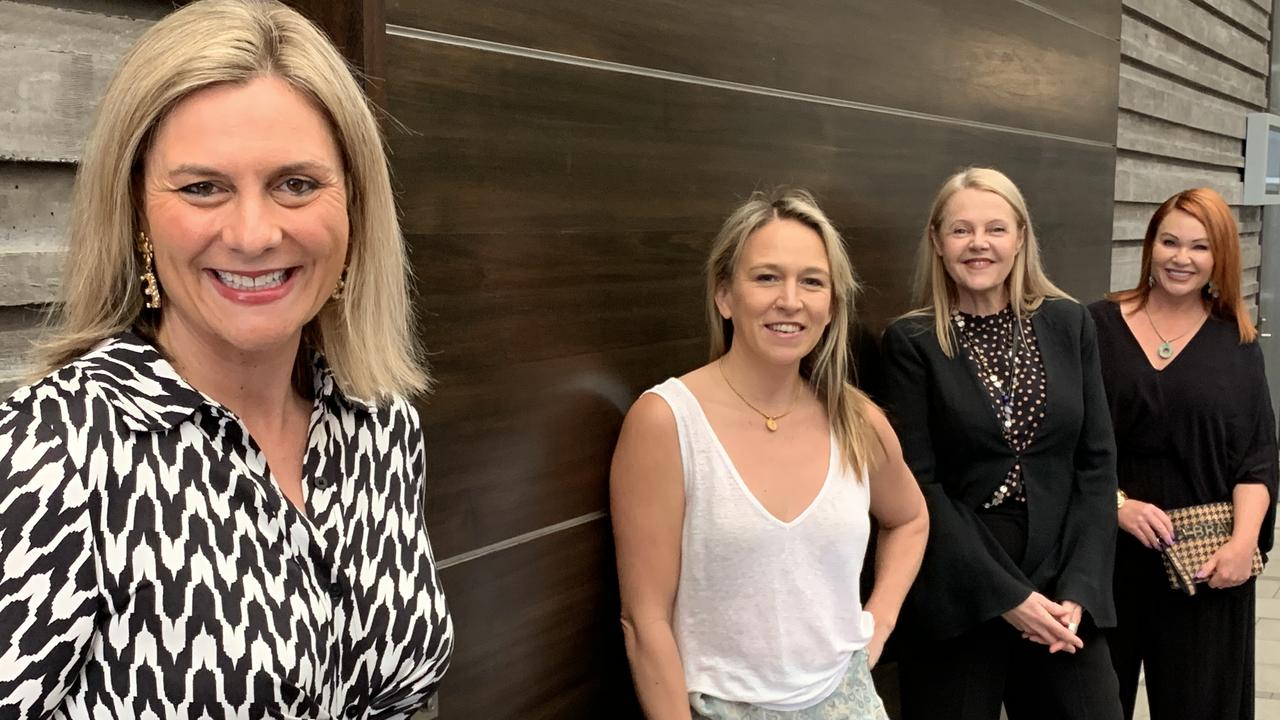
[150, 286]
[342, 286]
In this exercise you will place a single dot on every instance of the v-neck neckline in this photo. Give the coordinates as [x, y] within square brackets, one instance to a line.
[742, 484]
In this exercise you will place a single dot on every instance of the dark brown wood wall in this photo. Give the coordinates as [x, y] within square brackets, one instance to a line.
[562, 166]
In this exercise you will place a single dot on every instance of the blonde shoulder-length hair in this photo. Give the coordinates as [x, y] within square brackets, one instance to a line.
[827, 367]
[935, 289]
[367, 337]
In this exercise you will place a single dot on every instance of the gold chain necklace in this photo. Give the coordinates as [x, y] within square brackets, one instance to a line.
[770, 421]
[1165, 350]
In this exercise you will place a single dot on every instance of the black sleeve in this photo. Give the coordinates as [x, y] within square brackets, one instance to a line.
[966, 578]
[1089, 536]
[1259, 459]
[48, 577]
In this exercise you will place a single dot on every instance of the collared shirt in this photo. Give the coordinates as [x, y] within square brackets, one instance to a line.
[151, 567]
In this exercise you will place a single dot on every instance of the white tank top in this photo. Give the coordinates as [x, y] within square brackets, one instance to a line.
[766, 612]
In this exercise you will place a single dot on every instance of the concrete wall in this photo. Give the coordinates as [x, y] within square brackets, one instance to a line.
[55, 61]
[1190, 71]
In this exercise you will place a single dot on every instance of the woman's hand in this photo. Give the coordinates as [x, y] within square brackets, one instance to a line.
[876, 647]
[1148, 523]
[1074, 614]
[1044, 621]
[1231, 565]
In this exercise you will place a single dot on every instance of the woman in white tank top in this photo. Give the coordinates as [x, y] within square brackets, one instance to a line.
[740, 494]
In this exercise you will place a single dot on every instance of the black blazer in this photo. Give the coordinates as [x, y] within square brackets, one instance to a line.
[952, 441]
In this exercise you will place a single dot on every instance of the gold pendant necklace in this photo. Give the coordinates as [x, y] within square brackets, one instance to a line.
[770, 421]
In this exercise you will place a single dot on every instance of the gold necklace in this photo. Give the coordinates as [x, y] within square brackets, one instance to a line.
[770, 421]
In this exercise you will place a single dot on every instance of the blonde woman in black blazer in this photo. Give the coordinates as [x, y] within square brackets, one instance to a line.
[995, 391]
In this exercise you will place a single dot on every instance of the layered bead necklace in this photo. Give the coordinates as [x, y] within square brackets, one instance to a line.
[1006, 386]
[1007, 360]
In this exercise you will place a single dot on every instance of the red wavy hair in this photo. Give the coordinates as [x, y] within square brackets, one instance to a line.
[1208, 207]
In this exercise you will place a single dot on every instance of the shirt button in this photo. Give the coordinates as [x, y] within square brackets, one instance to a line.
[337, 589]
[321, 482]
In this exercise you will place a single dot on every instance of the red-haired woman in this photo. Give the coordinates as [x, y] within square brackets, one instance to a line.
[1194, 425]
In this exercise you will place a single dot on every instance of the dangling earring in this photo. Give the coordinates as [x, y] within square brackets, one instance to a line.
[342, 286]
[1151, 281]
[1213, 290]
[150, 286]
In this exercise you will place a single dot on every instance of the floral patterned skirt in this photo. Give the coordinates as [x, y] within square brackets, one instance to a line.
[854, 699]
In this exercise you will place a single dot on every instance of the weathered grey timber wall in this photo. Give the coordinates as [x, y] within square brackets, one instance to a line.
[55, 61]
[1190, 71]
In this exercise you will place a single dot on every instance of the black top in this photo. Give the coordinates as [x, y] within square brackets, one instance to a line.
[151, 567]
[1007, 359]
[958, 452]
[1189, 433]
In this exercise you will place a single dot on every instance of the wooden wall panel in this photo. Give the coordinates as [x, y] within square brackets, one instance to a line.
[538, 633]
[1099, 16]
[601, 152]
[955, 58]
[559, 207]
[356, 27]
[502, 302]
[543, 339]
[516, 447]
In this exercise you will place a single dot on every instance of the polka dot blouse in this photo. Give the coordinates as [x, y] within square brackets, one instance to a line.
[1007, 359]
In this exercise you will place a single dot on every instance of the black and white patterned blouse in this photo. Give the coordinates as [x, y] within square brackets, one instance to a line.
[1007, 357]
[151, 567]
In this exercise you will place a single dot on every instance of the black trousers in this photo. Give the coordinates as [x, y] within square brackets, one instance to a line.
[1198, 650]
[970, 676]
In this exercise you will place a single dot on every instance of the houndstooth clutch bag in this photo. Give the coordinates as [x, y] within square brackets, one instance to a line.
[1198, 532]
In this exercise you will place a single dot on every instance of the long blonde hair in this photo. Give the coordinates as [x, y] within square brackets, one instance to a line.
[935, 290]
[826, 368]
[367, 337]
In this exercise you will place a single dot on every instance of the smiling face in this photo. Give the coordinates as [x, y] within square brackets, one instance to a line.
[245, 202]
[1181, 259]
[978, 240]
[779, 296]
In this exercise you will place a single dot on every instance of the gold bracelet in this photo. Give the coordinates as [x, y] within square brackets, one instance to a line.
[1120, 498]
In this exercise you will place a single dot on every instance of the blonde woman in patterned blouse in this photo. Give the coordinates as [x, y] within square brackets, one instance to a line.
[995, 390]
[211, 504]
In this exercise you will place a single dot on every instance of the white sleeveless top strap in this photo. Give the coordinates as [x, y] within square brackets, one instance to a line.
[767, 612]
